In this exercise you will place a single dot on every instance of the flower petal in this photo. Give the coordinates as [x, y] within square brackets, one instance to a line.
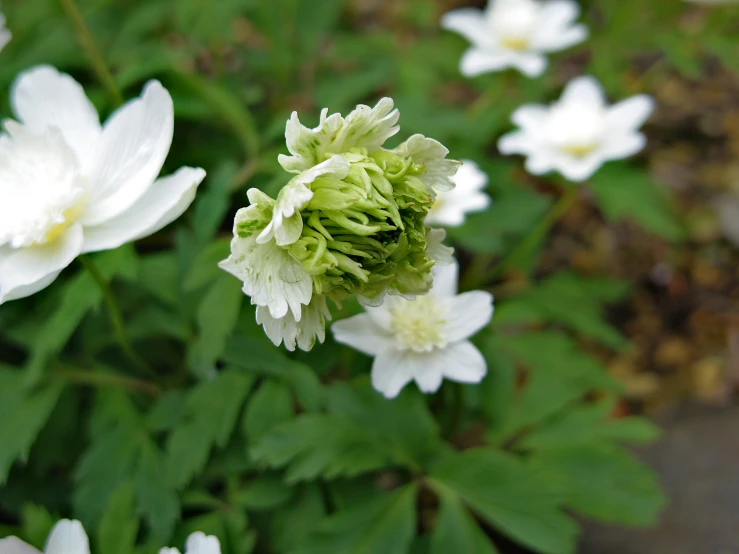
[531, 116]
[135, 143]
[445, 280]
[42, 97]
[469, 312]
[516, 142]
[308, 146]
[468, 22]
[579, 169]
[477, 61]
[630, 114]
[361, 333]
[199, 543]
[367, 127]
[463, 363]
[24, 271]
[530, 64]
[556, 30]
[67, 537]
[437, 170]
[13, 545]
[584, 90]
[302, 333]
[436, 249]
[623, 145]
[169, 551]
[164, 202]
[391, 372]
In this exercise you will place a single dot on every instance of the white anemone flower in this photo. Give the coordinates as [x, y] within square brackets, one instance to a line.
[69, 185]
[5, 34]
[197, 543]
[451, 208]
[578, 133]
[423, 340]
[67, 537]
[515, 33]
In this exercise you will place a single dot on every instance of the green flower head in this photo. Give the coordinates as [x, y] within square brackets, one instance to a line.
[350, 222]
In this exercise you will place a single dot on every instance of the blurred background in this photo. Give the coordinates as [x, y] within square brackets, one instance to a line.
[662, 230]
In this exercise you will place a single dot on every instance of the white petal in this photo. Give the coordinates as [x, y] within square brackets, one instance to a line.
[361, 333]
[169, 551]
[33, 288]
[445, 280]
[437, 170]
[564, 39]
[13, 545]
[436, 249]
[469, 312]
[390, 373]
[67, 537]
[540, 162]
[630, 114]
[367, 127]
[468, 22]
[42, 98]
[135, 143]
[199, 543]
[584, 90]
[34, 266]
[462, 362]
[271, 276]
[579, 169]
[164, 202]
[517, 142]
[302, 333]
[529, 63]
[309, 146]
[477, 61]
[556, 30]
[623, 145]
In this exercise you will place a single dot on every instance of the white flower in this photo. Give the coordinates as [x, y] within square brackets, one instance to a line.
[197, 543]
[302, 332]
[451, 207]
[5, 34]
[515, 33]
[423, 339]
[580, 132]
[67, 537]
[69, 185]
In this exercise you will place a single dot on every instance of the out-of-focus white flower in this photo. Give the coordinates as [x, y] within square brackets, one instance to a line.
[423, 340]
[67, 537]
[197, 543]
[350, 222]
[451, 207]
[69, 185]
[515, 33]
[578, 133]
[5, 34]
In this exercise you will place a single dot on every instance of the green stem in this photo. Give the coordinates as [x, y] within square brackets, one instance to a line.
[116, 315]
[530, 242]
[91, 47]
[102, 379]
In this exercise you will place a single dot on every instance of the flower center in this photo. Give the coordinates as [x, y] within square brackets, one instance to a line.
[42, 191]
[576, 129]
[519, 44]
[515, 23]
[420, 324]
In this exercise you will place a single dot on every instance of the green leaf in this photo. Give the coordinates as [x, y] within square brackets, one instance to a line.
[217, 317]
[624, 192]
[519, 501]
[456, 530]
[315, 445]
[607, 483]
[37, 524]
[22, 416]
[204, 269]
[271, 405]
[213, 408]
[157, 499]
[293, 522]
[212, 203]
[119, 525]
[265, 492]
[385, 525]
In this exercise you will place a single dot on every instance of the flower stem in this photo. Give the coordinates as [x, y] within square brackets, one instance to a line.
[524, 249]
[116, 315]
[91, 47]
[103, 379]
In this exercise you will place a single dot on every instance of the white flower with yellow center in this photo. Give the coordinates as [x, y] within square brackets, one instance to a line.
[515, 33]
[197, 543]
[69, 185]
[67, 537]
[423, 340]
[466, 197]
[578, 133]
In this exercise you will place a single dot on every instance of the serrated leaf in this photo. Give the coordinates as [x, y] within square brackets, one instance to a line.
[269, 406]
[119, 524]
[385, 525]
[316, 445]
[519, 501]
[456, 530]
[607, 483]
[623, 192]
[265, 492]
[157, 500]
[296, 520]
